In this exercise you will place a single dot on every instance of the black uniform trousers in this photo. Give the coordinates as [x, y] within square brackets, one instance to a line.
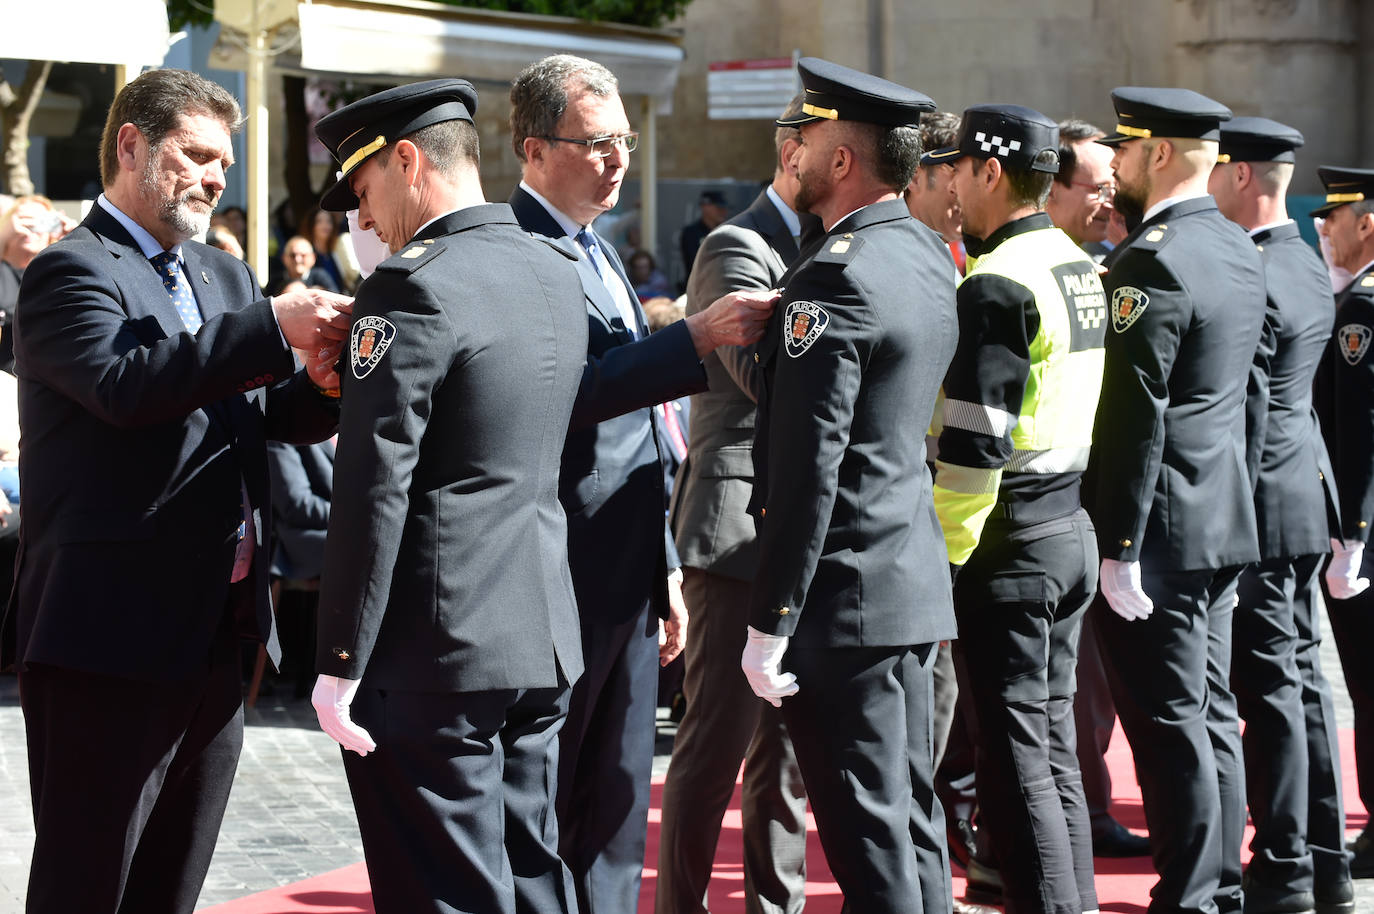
[127, 806]
[455, 805]
[1020, 601]
[607, 752]
[861, 727]
[726, 723]
[1325, 793]
[1170, 676]
[1269, 697]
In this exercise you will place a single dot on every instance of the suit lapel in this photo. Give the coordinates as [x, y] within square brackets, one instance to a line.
[209, 293]
[134, 273]
[774, 230]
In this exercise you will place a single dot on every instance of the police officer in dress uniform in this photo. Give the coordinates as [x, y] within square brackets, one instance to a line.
[851, 595]
[1018, 410]
[1345, 404]
[1174, 512]
[448, 632]
[1292, 773]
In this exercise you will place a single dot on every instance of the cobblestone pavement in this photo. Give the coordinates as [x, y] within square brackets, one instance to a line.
[290, 815]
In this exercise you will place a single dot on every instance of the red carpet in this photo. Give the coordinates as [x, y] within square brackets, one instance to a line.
[1122, 885]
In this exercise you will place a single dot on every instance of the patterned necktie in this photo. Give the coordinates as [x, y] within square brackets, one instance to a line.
[172, 279]
[588, 242]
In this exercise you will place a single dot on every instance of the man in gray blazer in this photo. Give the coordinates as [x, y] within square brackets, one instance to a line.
[725, 721]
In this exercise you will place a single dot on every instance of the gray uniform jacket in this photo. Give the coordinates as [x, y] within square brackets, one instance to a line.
[713, 530]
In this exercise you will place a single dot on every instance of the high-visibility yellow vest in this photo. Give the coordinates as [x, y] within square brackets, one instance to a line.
[1053, 428]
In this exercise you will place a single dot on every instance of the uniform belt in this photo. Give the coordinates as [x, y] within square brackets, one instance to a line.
[1039, 508]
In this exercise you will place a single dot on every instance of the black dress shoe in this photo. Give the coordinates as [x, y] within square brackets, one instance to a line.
[1261, 898]
[962, 839]
[1335, 898]
[984, 884]
[1120, 842]
[1362, 863]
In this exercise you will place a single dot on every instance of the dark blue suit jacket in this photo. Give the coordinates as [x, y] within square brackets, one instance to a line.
[612, 475]
[136, 437]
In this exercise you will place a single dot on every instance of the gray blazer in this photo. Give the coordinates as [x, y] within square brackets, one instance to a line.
[713, 530]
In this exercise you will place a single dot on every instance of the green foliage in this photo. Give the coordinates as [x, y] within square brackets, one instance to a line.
[652, 13]
[184, 13]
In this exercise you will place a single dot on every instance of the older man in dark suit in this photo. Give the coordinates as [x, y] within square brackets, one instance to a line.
[725, 721]
[570, 130]
[151, 374]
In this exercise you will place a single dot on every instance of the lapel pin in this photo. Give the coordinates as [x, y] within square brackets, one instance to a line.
[205, 276]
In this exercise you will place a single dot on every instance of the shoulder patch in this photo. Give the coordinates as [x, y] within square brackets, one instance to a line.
[411, 257]
[802, 324]
[1128, 303]
[369, 341]
[1353, 342]
[839, 250]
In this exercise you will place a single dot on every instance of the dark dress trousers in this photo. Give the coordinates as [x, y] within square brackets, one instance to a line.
[139, 439]
[725, 722]
[620, 552]
[1345, 404]
[1187, 303]
[851, 560]
[446, 587]
[1292, 781]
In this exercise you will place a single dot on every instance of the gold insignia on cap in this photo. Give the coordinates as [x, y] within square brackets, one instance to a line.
[830, 114]
[1142, 132]
[839, 247]
[1223, 158]
[1344, 198]
[414, 252]
[362, 153]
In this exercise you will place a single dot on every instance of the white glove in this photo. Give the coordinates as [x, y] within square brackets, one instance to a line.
[1120, 584]
[367, 247]
[1343, 574]
[331, 698]
[762, 662]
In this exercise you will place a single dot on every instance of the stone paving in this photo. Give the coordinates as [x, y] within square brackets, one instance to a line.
[290, 816]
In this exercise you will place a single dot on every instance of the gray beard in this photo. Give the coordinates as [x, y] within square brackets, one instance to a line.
[175, 212]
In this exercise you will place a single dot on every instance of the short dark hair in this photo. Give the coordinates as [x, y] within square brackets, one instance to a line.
[1028, 187]
[447, 145]
[539, 95]
[891, 154]
[155, 103]
[1073, 131]
[939, 129]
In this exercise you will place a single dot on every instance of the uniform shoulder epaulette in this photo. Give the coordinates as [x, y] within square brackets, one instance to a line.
[839, 250]
[411, 257]
[561, 245]
[1153, 238]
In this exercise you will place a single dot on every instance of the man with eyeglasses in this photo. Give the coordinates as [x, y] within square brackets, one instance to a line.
[1080, 202]
[570, 131]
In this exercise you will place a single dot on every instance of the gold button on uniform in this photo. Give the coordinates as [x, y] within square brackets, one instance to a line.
[1125, 544]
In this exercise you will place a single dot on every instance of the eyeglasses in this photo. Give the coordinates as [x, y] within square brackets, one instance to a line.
[601, 146]
[1104, 191]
